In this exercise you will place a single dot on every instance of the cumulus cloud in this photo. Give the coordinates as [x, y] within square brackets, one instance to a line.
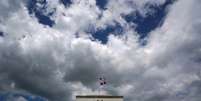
[8, 7]
[53, 63]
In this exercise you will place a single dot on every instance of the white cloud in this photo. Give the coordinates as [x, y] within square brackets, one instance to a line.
[19, 99]
[7, 7]
[117, 8]
[52, 63]
[76, 18]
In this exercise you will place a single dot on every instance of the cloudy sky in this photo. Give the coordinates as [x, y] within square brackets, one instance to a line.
[52, 50]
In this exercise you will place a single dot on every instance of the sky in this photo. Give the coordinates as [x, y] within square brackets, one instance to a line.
[53, 50]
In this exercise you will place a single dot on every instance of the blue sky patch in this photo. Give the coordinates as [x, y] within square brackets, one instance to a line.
[1, 33]
[102, 34]
[144, 24]
[6, 96]
[151, 21]
[101, 4]
[66, 2]
[42, 18]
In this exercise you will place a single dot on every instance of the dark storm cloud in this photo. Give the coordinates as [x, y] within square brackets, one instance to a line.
[37, 77]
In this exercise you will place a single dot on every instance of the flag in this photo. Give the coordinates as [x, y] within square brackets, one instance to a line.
[102, 81]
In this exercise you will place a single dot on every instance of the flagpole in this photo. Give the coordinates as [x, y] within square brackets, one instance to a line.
[102, 82]
[99, 87]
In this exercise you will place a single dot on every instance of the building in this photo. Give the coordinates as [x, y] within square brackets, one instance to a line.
[99, 98]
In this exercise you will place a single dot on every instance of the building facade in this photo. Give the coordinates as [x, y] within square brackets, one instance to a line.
[99, 98]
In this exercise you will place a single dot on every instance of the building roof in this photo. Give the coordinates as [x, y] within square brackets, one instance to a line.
[98, 96]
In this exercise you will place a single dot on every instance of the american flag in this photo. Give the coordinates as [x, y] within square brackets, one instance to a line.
[102, 81]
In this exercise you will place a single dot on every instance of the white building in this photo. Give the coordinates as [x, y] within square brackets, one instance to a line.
[99, 98]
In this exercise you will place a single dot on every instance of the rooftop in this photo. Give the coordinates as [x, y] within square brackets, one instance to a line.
[98, 96]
